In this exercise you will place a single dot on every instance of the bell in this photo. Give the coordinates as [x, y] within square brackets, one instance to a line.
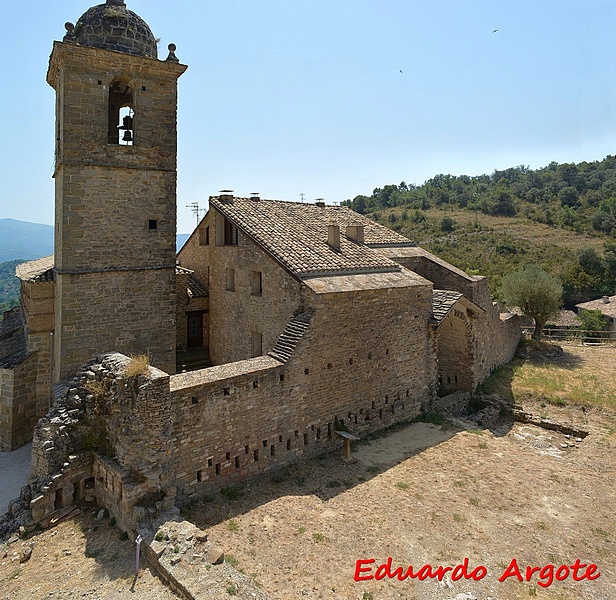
[128, 136]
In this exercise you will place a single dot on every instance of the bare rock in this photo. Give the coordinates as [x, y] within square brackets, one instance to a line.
[25, 554]
[215, 555]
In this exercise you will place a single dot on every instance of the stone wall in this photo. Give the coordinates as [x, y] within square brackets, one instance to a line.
[126, 311]
[351, 369]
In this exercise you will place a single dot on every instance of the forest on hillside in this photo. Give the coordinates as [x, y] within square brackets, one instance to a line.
[472, 221]
[9, 285]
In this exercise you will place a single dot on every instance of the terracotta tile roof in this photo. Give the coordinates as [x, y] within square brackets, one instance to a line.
[295, 234]
[37, 270]
[607, 308]
[442, 302]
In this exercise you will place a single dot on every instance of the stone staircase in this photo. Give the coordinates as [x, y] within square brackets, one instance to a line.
[292, 334]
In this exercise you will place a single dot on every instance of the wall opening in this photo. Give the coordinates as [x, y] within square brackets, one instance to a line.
[231, 236]
[58, 502]
[256, 340]
[257, 283]
[121, 114]
[230, 276]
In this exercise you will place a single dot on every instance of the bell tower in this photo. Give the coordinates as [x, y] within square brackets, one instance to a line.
[115, 181]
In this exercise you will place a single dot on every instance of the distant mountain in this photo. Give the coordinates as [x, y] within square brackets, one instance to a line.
[23, 240]
[181, 240]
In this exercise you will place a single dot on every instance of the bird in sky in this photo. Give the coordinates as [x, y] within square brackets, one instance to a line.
[495, 31]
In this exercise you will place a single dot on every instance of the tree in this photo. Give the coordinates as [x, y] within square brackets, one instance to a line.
[536, 293]
[593, 322]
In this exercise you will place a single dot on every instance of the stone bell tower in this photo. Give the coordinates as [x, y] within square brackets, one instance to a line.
[115, 179]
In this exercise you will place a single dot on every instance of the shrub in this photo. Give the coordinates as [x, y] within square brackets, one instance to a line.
[137, 365]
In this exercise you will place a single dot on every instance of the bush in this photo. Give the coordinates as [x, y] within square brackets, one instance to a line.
[137, 365]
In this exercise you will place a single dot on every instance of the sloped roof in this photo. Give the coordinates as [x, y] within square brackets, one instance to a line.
[444, 300]
[295, 234]
[196, 289]
[38, 270]
[607, 308]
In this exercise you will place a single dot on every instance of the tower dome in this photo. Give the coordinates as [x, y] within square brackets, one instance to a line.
[113, 27]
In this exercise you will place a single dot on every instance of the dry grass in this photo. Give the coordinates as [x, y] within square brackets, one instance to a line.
[137, 365]
[583, 375]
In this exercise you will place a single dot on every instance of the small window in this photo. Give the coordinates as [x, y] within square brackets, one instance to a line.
[217, 468]
[194, 400]
[305, 439]
[265, 443]
[255, 384]
[256, 339]
[273, 450]
[257, 283]
[228, 456]
[237, 462]
[199, 476]
[282, 377]
[288, 444]
[246, 449]
[152, 224]
[226, 391]
[231, 237]
[209, 462]
[230, 280]
[256, 455]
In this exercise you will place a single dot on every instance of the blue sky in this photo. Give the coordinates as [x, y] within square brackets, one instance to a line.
[285, 97]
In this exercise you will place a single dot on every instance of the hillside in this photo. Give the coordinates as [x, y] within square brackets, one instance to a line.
[24, 240]
[9, 285]
[561, 217]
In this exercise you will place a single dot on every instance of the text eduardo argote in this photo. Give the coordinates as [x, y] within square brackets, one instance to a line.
[545, 575]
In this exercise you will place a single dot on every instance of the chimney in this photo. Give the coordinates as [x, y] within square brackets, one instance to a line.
[355, 233]
[226, 196]
[255, 196]
[606, 299]
[320, 202]
[333, 236]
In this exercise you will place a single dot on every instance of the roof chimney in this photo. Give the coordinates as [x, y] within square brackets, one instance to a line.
[333, 236]
[226, 196]
[320, 202]
[606, 299]
[255, 196]
[355, 233]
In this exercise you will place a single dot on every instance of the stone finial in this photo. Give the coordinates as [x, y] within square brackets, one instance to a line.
[70, 32]
[172, 57]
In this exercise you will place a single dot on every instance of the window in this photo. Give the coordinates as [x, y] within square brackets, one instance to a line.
[230, 280]
[120, 114]
[257, 343]
[257, 283]
[230, 234]
[152, 224]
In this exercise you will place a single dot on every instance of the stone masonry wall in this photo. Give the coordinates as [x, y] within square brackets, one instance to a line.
[125, 311]
[351, 369]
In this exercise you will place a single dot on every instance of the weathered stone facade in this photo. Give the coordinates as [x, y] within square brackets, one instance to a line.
[115, 206]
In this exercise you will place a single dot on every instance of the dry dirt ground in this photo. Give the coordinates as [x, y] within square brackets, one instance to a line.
[420, 495]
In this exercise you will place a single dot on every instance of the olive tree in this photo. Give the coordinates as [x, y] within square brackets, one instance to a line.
[536, 293]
